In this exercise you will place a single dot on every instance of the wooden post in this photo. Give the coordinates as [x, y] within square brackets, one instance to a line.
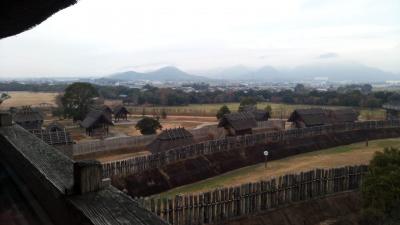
[87, 176]
[5, 119]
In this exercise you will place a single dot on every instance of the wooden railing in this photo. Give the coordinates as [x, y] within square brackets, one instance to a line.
[140, 164]
[228, 203]
[59, 137]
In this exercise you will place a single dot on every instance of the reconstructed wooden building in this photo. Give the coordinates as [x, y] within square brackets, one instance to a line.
[96, 122]
[309, 117]
[239, 123]
[317, 117]
[28, 118]
[120, 113]
[392, 110]
[171, 138]
[55, 126]
[346, 115]
[105, 108]
[261, 115]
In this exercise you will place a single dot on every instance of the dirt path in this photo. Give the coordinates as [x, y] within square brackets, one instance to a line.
[353, 154]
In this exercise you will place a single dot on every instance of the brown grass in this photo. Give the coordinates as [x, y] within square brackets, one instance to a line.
[113, 157]
[21, 98]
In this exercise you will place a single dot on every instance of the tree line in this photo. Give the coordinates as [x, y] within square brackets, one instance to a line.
[175, 97]
[351, 95]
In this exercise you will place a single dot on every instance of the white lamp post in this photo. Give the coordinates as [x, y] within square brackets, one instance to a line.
[266, 157]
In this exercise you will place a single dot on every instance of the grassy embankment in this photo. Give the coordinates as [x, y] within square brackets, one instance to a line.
[353, 154]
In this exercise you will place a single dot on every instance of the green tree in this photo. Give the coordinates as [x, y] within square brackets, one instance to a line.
[300, 89]
[3, 97]
[148, 126]
[222, 111]
[77, 100]
[268, 108]
[381, 189]
[247, 103]
[58, 112]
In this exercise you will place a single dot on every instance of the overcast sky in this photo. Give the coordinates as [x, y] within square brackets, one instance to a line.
[97, 37]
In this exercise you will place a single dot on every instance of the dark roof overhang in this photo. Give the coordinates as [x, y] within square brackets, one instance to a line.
[17, 16]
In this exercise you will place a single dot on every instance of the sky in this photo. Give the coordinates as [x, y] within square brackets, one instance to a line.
[100, 37]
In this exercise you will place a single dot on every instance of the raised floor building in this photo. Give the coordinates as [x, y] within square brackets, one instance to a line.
[239, 123]
[171, 138]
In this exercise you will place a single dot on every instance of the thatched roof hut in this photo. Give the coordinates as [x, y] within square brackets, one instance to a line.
[120, 112]
[104, 108]
[346, 115]
[239, 123]
[261, 115]
[55, 126]
[309, 117]
[317, 117]
[96, 120]
[28, 118]
[392, 110]
[171, 138]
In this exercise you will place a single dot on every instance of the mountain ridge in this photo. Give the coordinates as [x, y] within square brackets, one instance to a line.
[168, 73]
[354, 72]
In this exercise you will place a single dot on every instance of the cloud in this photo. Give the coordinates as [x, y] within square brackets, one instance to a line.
[328, 55]
[198, 35]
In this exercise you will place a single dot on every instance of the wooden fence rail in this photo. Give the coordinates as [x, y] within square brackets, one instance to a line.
[140, 164]
[227, 203]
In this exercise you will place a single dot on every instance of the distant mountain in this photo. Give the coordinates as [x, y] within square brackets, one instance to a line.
[334, 71]
[337, 71]
[265, 73]
[344, 71]
[163, 74]
[229, 73]
[128, 75]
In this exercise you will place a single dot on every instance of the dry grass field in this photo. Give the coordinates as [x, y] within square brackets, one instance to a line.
[352, 154]
[279, 110]
[21, 98]
[190, 117]
[188, 122]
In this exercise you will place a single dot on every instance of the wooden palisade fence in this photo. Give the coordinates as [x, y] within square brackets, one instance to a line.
[140, 164]
[227, 203]
[141, 141]
[111, 144]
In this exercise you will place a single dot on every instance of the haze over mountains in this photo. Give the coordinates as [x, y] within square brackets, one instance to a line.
[163, 74]
[352, 72]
